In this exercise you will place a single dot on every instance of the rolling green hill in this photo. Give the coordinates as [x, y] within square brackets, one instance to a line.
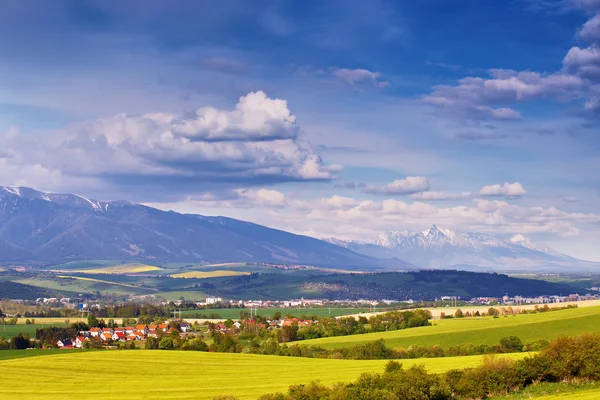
[180, 375]
[481, 330]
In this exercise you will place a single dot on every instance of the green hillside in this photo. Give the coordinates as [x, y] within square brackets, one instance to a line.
[164, 375]
[481, 330]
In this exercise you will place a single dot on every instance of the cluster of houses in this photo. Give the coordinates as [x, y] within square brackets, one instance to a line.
[251, 324]
[125, 334]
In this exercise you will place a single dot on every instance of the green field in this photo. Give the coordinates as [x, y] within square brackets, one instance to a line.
[208, 274]
[16, 354]
[13, 330]
[234, 313]
[483, 330]
[72, 265]
[181, 375]
[83, 285]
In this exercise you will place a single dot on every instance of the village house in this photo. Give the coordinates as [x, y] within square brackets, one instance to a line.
[79, 341]
[142, 328]
[95, 332]
[185, 327]
[163, 327]
[65, 344]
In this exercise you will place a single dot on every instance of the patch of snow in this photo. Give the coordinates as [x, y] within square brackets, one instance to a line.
[95, 206]
[15, 191]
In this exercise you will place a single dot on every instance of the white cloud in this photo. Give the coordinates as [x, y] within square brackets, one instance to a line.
[583, 62]
[591, 30]
[474, 97]
[408, 185]
[262, 197]
[486, 98]
[256, 143]
[508, 189]
[350, 218]
[357, 76]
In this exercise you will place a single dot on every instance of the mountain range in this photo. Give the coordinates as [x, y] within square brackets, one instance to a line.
[43, 228]
[445, 248]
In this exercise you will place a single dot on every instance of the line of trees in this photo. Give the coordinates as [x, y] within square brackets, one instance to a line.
[565, 359]
[495, 312]
[329, 327]
[174, 342]
[377, 350]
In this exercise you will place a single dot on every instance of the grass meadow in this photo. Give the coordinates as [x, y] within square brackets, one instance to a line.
[13, 330]
[76, 374]
[481, 330]
[208, 274]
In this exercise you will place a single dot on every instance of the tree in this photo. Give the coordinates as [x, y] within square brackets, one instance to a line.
[92, 321]
[166, 343]
[511, 344]
[20, 342]
[151, 343]
[288, 333]
[492, 312]
[195, 344]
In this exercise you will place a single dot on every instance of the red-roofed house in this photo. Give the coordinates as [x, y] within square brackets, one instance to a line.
[132, 337]
[95, 332]
[163, 327]
[142, 328]
[79, 341]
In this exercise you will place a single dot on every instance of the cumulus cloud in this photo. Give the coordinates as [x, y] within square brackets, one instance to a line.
[508, 190]
[591, 30]
[359, 76]
[254, 144]
[408, 185]
[440, 196]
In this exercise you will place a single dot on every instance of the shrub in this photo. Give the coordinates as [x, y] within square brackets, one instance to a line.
[511, 344]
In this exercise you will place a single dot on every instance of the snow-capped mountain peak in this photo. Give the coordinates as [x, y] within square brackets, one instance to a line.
[391, 239]
[524, 241]
[57, 198]
[445, 248]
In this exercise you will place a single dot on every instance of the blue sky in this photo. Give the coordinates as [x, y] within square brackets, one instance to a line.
[327, 118]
